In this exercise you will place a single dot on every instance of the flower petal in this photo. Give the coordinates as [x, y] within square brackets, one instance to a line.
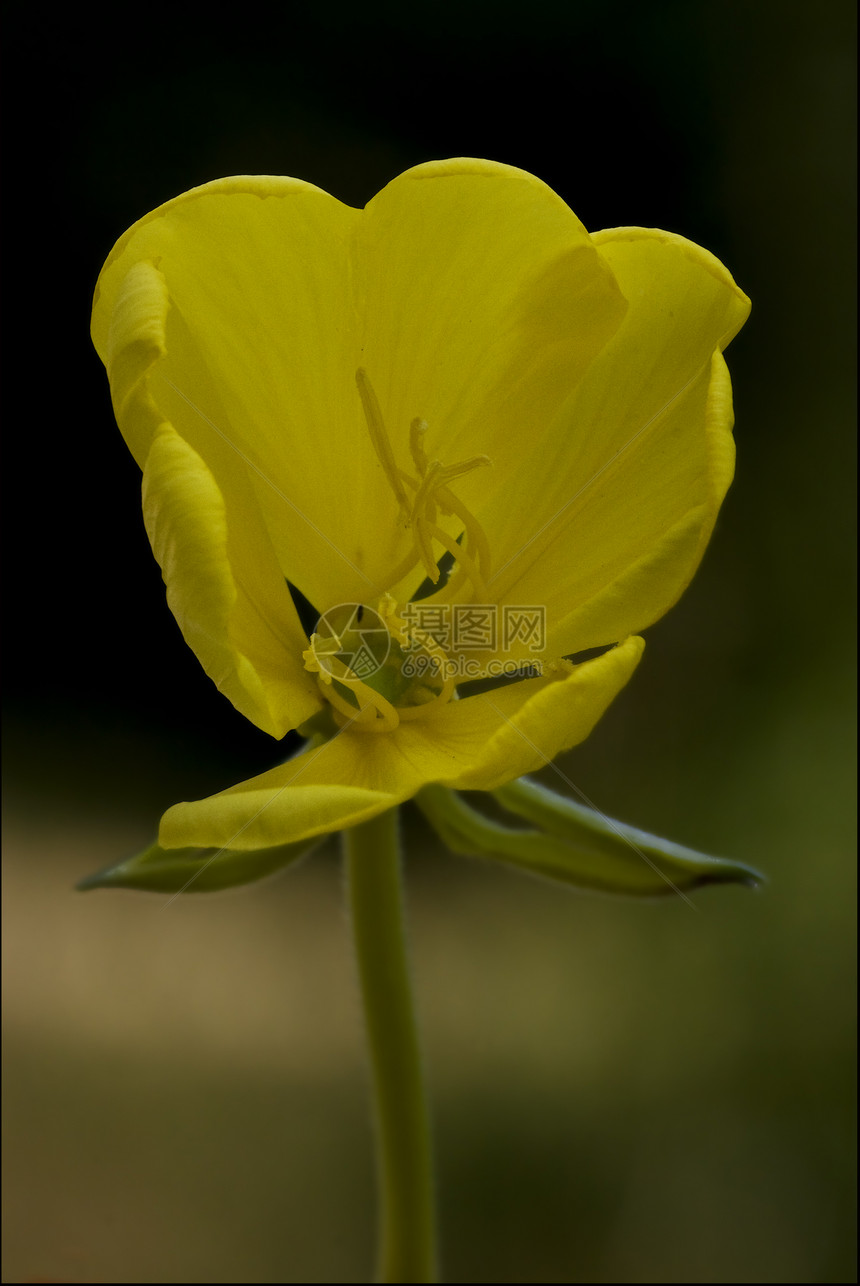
[469, 291]
[539, 718]
[258, 363]
[477, 744]
[608, 524]
[243, 628]
[483, 302]
[187, 525]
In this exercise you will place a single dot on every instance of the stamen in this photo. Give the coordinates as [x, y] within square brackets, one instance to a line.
[325, 647]
[379, 437]
[430, 492]
[372, 712]
[449, 471]
[476, 541]
[433, 649]
[474, 531]
[417, 429]
[404, 567]
[421, 501]
[467, 565]
[375, 714]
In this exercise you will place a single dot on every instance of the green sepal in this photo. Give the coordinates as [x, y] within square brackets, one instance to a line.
[575, 845]
[196, 870]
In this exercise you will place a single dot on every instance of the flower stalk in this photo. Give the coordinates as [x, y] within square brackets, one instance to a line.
[407, 1246]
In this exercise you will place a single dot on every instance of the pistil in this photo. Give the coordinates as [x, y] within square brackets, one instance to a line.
[431, 492]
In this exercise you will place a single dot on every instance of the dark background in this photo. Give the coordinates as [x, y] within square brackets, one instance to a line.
[622, 1092]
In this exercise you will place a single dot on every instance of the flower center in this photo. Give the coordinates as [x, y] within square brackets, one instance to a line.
[375, 669]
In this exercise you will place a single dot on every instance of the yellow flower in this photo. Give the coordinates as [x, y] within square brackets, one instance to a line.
[345, 401]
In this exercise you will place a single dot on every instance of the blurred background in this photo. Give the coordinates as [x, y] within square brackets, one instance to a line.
[622, 1092]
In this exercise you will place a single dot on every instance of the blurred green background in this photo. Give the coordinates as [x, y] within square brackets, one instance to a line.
[622, 1092]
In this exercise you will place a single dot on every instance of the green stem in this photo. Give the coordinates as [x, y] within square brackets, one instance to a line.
[407, 1243]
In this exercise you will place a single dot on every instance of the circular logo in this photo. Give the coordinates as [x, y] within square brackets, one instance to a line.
[355, 636]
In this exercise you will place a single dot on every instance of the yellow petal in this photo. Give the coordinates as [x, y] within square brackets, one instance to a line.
[667, 560]
[258, 372]
[477, 744]
[249, 635]
[187, 525]
[469, 292]
[539, 718]
[609, 522]
[482, 302]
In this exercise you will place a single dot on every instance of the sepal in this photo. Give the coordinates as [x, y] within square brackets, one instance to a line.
[575, 845]
[196, 870]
